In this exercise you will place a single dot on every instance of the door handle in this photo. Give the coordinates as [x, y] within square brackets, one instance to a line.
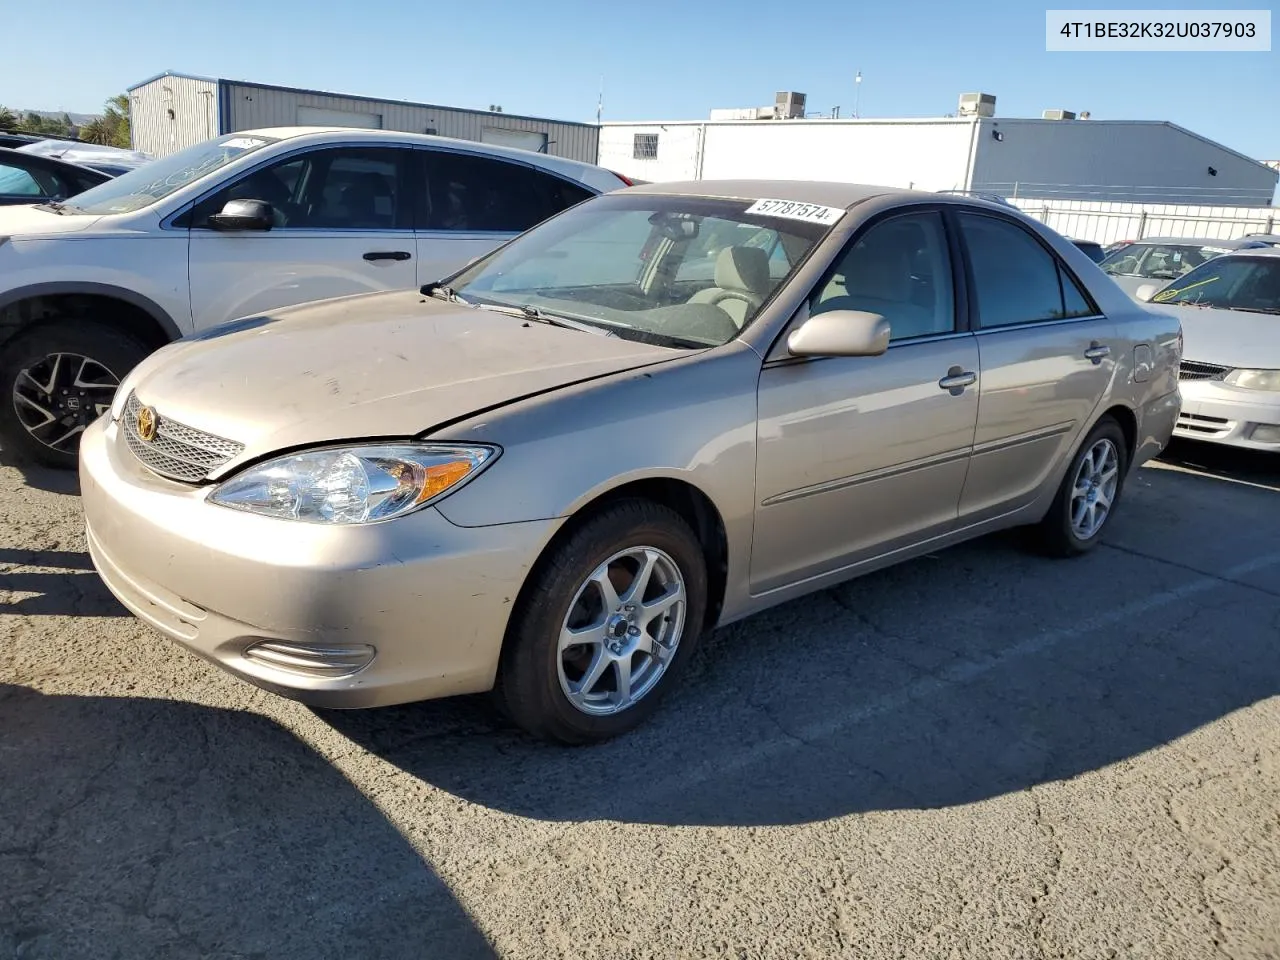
[1096, 352]
[956, 380]
[387, 255]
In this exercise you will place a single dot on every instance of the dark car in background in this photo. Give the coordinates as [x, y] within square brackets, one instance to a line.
[29, 178]
[1092, 249]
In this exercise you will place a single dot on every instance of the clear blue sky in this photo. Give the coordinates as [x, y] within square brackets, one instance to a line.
[660, 60]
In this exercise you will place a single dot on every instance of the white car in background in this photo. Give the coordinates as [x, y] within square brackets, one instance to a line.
[1161, 260]
[1230, 373]
[232, 227]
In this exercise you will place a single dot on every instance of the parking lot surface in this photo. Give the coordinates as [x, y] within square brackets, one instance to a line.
[979, 754]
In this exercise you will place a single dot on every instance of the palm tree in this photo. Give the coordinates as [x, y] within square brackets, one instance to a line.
[8, 120]
[112, 128]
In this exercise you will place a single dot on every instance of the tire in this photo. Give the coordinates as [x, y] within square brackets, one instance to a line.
[82, 362]
[535, 678]
[1057, 534]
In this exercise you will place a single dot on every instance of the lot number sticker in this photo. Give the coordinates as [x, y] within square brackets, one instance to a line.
[793, 210]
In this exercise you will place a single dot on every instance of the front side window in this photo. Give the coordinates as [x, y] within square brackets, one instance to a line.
[901, 269]
[345, 188]
[1251, 284]
[466, 193]
[616, 262]
[157, 179]
[17, 182]
[1016, 280]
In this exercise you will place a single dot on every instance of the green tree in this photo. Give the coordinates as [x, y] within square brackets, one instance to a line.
[8, 120]
[112, 128]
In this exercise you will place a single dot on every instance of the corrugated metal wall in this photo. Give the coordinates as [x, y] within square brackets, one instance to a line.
[1115, 161]
[254, 106]
[195, 114]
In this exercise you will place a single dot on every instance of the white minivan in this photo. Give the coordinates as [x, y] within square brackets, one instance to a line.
[233, 227]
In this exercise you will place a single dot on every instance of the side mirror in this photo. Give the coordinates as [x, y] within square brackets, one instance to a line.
[840, 333]
[244, 215]
[1146, 291]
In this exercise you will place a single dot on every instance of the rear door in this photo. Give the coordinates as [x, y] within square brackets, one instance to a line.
[1047, 357]
[343, 225]
[469, 204]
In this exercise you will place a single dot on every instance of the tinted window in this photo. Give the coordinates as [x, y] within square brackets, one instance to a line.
[15, 181]
[1016, 280]
[900, 269]
[468, 193]
[341, 189]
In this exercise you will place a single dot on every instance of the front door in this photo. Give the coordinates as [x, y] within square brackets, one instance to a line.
[343, 225]
[1047, 359]
[860, 455]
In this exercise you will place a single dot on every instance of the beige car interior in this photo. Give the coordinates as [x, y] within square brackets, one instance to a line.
[742, 283]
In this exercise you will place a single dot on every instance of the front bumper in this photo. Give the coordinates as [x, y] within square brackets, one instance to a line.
[1219, 413]
[432, 599]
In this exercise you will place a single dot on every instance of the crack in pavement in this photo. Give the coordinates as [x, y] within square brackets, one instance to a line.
[1038, 913]
[1190, 569]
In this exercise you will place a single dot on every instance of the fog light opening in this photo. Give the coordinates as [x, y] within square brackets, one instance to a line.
[1266, 433]
[328, 661]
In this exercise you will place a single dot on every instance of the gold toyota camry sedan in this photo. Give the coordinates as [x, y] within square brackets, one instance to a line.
[662, 410]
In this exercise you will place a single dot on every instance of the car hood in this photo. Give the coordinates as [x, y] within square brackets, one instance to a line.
[382, 365]
[27, 220]
[1229, 338]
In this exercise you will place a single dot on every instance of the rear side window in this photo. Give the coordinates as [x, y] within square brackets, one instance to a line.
[1016, 280]
[466, 193]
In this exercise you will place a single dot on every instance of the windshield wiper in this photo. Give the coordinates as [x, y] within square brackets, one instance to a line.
[528, 311]
[662, 339]
[1275, 310]
[441, 292]
[53, 206]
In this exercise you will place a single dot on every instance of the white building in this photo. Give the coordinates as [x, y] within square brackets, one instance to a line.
[1068, 159]
[172, 111]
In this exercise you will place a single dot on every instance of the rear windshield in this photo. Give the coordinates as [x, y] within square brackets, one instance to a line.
[686, 271]
[154, 181]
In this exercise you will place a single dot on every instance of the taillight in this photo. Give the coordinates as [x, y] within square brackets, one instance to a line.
[627, 180]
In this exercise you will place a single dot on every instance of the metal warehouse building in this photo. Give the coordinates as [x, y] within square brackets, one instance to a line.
[172, 111]
[1059, 159]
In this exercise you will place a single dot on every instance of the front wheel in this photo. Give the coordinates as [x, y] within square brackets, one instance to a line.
[55, 380]
[1089, 494]
[604, 625]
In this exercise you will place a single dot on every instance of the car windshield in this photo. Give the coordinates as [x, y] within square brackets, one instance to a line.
[679, 271]
[1159, 261]
[1229, 283]
[154, 181]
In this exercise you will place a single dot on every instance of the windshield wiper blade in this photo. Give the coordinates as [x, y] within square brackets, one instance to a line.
[1273, 310]
[53, 206]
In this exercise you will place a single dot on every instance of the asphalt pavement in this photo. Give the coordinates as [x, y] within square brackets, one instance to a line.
[977, 754]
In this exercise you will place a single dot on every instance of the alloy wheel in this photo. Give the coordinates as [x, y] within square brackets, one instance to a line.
[1094, 489]
[622, 631]
[57, 397]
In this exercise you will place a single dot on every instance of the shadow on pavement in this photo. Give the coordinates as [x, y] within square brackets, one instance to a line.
[74, 591]
[150, 828]
[1223, 462]
[944, 681]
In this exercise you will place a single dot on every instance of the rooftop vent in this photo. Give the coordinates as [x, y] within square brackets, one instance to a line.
[788, 105]
[1058, 115]
[977, 105]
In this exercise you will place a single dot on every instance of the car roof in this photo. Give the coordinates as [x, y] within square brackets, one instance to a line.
[401, 136]
[1251, 252]
[40, 158]
[824, 192]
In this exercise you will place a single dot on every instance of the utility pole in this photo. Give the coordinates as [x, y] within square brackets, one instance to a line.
[857, 95]
[600, 102]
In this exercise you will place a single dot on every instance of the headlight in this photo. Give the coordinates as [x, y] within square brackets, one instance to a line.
[347, 485]
[1254, 379]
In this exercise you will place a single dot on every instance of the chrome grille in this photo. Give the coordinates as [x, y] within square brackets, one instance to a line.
[177, 451]
[1194, 370]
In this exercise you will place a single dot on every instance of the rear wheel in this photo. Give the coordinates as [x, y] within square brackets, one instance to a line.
[606, 623]
[55, 380]
[1089, 494]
